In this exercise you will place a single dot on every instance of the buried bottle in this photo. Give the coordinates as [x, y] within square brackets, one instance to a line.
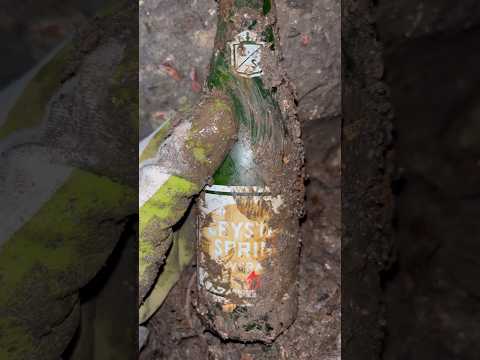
[248, 227]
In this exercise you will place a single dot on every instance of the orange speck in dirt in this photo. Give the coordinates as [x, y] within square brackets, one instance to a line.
[228, 307]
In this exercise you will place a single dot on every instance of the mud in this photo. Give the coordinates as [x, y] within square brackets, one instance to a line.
[367, 201]
[200, 142]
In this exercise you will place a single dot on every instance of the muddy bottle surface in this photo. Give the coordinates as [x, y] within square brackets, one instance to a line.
[248, 236]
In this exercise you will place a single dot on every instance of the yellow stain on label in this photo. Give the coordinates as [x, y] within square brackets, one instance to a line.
[228, 307]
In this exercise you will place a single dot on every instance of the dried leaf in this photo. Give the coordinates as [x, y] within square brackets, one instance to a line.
[171, 71]
[196, 86]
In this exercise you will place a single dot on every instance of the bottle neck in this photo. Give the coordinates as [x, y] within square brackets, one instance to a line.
[244, 45]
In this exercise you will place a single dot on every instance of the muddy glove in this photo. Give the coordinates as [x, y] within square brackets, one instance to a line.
[176, 162]
[68, 180]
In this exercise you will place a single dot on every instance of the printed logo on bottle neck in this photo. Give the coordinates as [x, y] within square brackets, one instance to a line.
[246, 54]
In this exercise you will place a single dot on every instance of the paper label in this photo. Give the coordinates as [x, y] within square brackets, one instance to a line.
[246, 54]
[235, 241]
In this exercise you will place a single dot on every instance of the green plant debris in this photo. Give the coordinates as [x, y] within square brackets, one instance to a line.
[269, 37]
[52, 238]
[267, 6]
[14, 339]
[225, 172]
[163, 210]
[162, 205]
[200, 154]
[252, 326]
[254, 4]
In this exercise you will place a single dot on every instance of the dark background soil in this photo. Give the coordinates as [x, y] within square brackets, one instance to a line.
[410, 73]
[431, 57]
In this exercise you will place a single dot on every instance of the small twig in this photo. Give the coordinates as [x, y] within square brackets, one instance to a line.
[188, 299]
[310, 91]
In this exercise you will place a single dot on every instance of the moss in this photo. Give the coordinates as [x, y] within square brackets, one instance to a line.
[220, 76]
[200, 154]
[260, 89]
[199, 150]
[269, 37]
[225, 172]
[238, 108]
[52, 238]
[221, 31]
[267, 6]
[162, 205]
[268, 328]
[179, 256]
[29, 110]
[252, 326]
[14, 340]
[219, 106]
[254, 4]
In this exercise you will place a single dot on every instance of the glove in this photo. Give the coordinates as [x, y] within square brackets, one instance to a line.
[176, 161]
[67, 183]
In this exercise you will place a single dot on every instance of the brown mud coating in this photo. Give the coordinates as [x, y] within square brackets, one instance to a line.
[212, 129]
[281, 168]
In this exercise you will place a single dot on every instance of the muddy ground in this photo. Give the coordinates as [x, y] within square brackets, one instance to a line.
[176, 44]
[431, 291]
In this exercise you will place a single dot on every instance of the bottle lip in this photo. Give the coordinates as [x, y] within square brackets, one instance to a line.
[234, 190]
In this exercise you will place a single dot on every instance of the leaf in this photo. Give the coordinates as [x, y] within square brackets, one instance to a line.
[171, 71]
[196, 86]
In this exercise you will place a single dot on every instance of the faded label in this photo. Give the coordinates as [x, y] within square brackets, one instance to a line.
[235, 241]
[246, 54]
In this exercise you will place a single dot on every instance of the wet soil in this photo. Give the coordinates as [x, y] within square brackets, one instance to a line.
[431, 292]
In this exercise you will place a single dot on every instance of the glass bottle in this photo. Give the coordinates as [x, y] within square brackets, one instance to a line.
[248, 236]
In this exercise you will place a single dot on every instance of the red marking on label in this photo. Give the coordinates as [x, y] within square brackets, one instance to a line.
[253, 280]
